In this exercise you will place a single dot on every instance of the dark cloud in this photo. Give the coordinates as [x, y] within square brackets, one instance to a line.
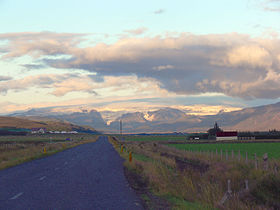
[5, 78]
[96, 78]
[235, 65]
[33, 66]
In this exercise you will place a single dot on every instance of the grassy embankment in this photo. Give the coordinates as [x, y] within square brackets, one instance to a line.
[198, 181]
[15, 150]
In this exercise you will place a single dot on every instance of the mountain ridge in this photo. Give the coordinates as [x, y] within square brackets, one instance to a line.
[171, 120]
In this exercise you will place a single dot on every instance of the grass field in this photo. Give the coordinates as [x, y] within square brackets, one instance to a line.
[44, 137]
[154, 138]
[259, 148]
[15, 150]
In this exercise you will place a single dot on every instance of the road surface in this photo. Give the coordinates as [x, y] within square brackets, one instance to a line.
[89, 176]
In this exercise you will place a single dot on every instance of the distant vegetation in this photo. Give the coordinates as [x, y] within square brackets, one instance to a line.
[271, 134]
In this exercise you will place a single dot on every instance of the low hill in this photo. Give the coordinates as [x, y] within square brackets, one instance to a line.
[49, 124]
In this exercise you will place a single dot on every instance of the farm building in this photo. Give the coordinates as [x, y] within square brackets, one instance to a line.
[38, 130]
[226, 135]
[197, 136]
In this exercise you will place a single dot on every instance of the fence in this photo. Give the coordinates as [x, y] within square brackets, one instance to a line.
[262, 162]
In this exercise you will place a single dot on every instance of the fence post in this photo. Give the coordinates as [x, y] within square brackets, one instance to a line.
[246, 158]
[221, 154]
[216, 152]
[256, 161]
[130, 157]
[275, 169]
[232, 154]
[227, 194]
[238, 155]
[226, 155]
[229, 188]
[265, 161]
[246, 185]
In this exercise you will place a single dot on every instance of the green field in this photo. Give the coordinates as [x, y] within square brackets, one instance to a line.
[273, 149]
[154, 138]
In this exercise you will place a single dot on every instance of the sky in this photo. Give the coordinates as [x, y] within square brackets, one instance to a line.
[199, 56]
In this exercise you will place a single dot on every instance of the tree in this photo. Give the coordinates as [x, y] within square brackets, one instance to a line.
[213, 131]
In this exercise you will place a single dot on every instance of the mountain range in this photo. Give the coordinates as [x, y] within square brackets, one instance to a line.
[259, 118]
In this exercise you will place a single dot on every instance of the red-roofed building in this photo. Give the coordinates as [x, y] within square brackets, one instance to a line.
[226, 135]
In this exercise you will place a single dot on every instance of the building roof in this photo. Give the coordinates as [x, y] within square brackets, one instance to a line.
[226, 133]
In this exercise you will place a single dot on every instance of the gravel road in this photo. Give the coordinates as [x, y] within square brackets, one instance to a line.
[89, 176]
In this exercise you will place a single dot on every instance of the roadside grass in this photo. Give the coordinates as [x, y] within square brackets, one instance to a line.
[272, 149]
[141, 157]
[196, 181]
[43, 137]
[183, 204]
[18, 151]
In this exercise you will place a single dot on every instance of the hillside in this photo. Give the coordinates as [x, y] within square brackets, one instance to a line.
[49, 124]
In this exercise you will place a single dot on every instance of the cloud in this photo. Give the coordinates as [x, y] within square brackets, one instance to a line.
[271, 5]
[229, 64]
[62, 84]
[137, 31]
[203, 109]
[159, 11]
[5, 78]
[234, 64]
[33, 66]
[36, 44]
[160, 68]
[59, 82]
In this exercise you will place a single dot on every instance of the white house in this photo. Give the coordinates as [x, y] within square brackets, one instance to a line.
[38, 130]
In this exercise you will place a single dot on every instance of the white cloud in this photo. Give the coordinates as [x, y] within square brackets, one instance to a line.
[137, 31]
[254, 56]
[271, 5]
[39, 43]
[61, 84]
